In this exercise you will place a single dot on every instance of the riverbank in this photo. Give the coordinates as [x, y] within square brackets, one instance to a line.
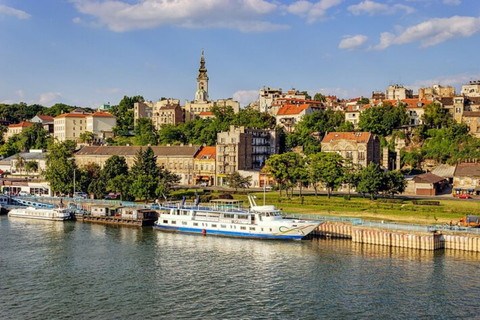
[412, 211]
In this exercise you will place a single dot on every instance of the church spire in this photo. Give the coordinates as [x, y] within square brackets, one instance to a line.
[202, 82]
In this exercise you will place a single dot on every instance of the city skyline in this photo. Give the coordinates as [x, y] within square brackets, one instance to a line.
[85, 52]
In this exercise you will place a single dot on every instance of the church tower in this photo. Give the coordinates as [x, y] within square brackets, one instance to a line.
[202, 82]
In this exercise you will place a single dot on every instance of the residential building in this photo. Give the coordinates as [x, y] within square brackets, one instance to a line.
[435, 92]
[352, 113]
[13, 186]
[472, 120]
[17, 128]
[204, 169]
[466, 179]
[69, 126]
[415, 110]
[361, 148]
[12, 165]
[378, 95]
[398, 92]
[177, 159]
[429, 184]
[101, 125]
[46, 121]
[242, 148]
[269, 96]
[142, 110]
[472, 89]
[290, 114]
[280, 102]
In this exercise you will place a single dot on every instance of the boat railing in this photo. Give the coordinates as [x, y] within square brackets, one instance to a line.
[203, 207]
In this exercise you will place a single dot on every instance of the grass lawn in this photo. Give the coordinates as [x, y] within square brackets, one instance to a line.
[404, 212]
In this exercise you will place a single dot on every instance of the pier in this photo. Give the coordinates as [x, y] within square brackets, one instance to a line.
[403, 236]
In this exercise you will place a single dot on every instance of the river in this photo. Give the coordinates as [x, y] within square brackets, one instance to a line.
[74, 270]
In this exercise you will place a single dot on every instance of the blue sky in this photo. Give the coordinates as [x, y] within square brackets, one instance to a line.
[88, 52]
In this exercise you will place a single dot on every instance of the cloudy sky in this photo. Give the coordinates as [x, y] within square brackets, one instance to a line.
[88, 52]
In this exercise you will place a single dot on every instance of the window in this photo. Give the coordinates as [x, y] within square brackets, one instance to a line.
[243, 228]
[214, 225]
[165, 221]
[252, 228]
[174, 222]
[195, 224]
[184, 223]
[223, 226]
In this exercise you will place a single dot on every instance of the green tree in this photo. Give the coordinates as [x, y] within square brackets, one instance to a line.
[145, 133]
[394, 182]
[307, 96]
[60, 166]
[166, 182]
[236, 180]
[124, 113]
[383, 119]
[114, 166]
[371, 180]
[282, 167]
[435, 116]
[319, 97]
[327, 167]
[87, 137]
[31, 166]
[19, 162]
[144, 174]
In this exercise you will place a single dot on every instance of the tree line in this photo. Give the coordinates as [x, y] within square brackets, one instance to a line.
[330, 170]
[144, 180]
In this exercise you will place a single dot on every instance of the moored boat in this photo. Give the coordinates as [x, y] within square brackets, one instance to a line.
[57, 214]
[229, 218]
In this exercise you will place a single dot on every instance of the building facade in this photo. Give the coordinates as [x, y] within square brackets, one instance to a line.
[241, 148]
[398, 92]
[101, 125]
[177, 159]
[17, 128]
[472, 89]
[435, 92]
[204, 170]
[46, 121]
[361, 148]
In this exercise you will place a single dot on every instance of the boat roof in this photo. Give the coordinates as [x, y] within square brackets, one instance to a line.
[226, 201]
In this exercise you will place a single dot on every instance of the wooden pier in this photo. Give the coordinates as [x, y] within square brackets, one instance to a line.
[421, 240]
[138, 222]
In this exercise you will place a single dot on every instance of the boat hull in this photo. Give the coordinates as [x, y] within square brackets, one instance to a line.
[37, 218]
[234, 234]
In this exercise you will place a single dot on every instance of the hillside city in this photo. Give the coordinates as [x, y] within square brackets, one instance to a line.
[398, 141]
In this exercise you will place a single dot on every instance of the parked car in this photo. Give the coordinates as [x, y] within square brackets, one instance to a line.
[82, 195]
[113, 195]
[464, 196]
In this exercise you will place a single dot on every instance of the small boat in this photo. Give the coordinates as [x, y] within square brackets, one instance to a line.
[57, 214]
[228, 218]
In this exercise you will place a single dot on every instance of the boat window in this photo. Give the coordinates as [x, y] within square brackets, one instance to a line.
[184, 223]
[243, 228]
[252, 228]
[214, 225]
[223, 226]
[165, 221]
[174, 222]
[270, 229]
[195, 224]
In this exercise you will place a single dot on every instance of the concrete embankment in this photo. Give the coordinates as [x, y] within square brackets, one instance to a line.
[413, 239]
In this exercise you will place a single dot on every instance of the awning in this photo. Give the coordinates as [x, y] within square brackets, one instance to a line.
[470, 190]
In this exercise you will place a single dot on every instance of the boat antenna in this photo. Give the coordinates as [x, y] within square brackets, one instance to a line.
[252, 201]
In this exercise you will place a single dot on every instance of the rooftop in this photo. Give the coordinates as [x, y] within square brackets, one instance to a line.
[291, 109]
[467, 170]
[23, 124]
[175, 151]
[207, 153]
[361, 137]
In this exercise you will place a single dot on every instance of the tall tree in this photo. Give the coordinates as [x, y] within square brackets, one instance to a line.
[383, 119]
[145, 133]
[371, 180]
[60, 166]
[236, 180]
[327, 167]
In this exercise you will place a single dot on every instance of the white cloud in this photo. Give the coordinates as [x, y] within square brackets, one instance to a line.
[453, 2]
[9, 11]
[457, 81]
[246, 96]
[350, 43]
[373, 8]
[49, 98]
[313, 11]
[120, 16]
[432, 32]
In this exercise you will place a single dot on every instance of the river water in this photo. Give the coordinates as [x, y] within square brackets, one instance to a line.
[74, 270]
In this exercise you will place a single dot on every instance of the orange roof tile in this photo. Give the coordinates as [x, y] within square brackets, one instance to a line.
[361, 137]
[23, 124]
[291, 109]
[206, 113]
[207, 153]
[101, 114]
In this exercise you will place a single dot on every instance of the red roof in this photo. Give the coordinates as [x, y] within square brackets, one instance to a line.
[24, 124]
[207, 153]
[45, 118]
[206, 114]
[101, 114]
[291, 109]
[362, 137]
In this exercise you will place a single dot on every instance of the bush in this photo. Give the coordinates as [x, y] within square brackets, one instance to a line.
[346, 197]
[225, 196]
[426, 202]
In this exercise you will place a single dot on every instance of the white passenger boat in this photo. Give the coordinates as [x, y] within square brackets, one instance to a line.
[228, 218]
[58, 214]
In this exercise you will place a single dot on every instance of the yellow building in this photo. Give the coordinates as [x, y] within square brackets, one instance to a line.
[17, 128]
[70, 126]
[204, 167]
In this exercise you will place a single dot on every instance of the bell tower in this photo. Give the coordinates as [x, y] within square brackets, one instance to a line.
[202, 82]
